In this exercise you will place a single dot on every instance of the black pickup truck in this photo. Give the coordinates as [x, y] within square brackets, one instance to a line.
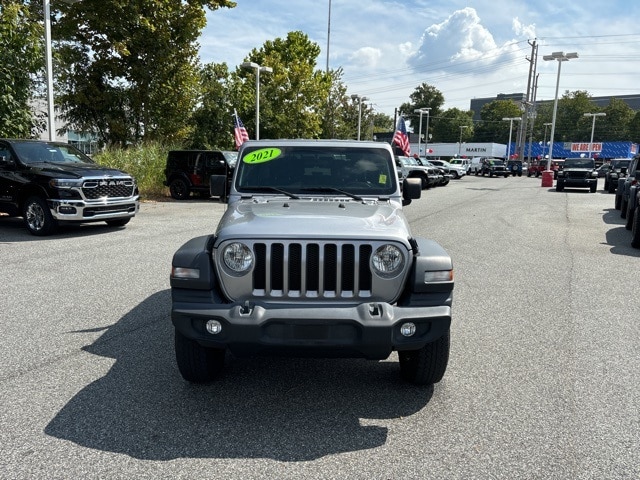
[48, 183]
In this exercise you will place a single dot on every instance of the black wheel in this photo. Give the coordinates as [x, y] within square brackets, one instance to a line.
[118, 222]
[37, 217]
[559, 186]
[179, 189]
[617, 202]
[623, 207]
[427, 365]
[593, 188]
[611, 187]
[606, 185]
[196, 363]
[629, 218]
[635, 229]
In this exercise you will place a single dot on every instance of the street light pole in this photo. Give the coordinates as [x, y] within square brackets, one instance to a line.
[421, 111]
[508, 149]
[258, 69]
[560, 57]
[544, 140]
[593, 127]
[462, 127]
[359, 99]
[47, 46]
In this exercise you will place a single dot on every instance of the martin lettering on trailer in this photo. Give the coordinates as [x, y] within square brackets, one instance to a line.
[313, 257]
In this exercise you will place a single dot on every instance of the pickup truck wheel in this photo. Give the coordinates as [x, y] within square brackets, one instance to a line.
[617, 201]
[118, 222]
[635, 229]
[427, 365]
[196, 363]
[559, 186]
[623, 208]
[594, 187]
[37, 217]
[179, 189]
[611, 188]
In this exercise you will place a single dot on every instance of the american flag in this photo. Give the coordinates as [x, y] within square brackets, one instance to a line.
[401, 138]
[239, 132]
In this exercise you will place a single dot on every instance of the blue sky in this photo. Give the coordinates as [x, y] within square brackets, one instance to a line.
[465, 49]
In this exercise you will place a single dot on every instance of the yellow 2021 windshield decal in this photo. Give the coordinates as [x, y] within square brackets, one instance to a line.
[262, 155]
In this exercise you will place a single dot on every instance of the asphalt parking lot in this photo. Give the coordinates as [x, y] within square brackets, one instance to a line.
[543, 379]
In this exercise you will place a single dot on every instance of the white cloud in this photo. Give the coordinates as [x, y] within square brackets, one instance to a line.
[366, 56]
[522, 30]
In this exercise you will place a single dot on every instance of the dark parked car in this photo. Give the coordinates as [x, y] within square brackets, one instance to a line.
[494, 168]
[514, 167]
[578, 173]
[53, 183]
[617, 169]
[624, 193]
[189, 170]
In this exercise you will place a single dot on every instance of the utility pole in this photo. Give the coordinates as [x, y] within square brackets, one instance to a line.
[528, 103]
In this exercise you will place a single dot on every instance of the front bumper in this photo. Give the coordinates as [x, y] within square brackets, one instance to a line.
[368, 330]
[578, 182]
[98, 210]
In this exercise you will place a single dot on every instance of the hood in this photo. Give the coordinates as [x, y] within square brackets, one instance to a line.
[77, 170]
[312, 218]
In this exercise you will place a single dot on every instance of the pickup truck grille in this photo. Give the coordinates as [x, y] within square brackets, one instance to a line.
[108, 187]
[312, 270]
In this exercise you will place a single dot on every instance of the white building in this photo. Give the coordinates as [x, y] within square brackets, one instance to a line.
[450, 150]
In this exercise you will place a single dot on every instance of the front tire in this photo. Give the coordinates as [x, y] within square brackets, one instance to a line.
[179, 189]
[629, 218]
[197, 364]
[594, 188]
[37, 217]
[559, 186]
[617, 201]
[427, 365]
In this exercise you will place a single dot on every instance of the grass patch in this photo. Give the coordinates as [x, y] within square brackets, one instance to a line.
[145, 162]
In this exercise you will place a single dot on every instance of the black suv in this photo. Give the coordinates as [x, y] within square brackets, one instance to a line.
[578, 173]
[493, 167]
[189, 170]
[617, 169]
[47, 183]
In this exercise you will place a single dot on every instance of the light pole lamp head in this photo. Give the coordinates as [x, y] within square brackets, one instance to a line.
[249, 65]
[266, 69]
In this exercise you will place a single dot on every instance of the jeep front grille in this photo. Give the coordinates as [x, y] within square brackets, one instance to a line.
[313, 270]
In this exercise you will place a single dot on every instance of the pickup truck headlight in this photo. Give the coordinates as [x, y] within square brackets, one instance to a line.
[65, 183]
[388, 261]
[237, 257]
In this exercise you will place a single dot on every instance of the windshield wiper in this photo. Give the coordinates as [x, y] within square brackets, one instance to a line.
[272, 189]
[334, 190]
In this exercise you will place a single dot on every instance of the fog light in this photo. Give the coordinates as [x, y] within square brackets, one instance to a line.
[408, 329]
[213, 327]
[67, 210]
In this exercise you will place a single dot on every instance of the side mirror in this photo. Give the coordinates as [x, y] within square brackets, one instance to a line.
[218, 186]
[411, 190]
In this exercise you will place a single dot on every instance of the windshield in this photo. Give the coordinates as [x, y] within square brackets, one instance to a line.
[579, 163]
[305, 169]
[49, 152]
[496, 162]
[620, 163]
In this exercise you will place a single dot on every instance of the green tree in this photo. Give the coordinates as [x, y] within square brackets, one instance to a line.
[616, 126]
[212, 120]
[21, 59]
[424, 96]
[130, 69]
[492, 127]
[452, 125]
[293, 97]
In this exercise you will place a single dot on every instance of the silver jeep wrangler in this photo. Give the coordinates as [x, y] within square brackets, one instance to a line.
[313, 257]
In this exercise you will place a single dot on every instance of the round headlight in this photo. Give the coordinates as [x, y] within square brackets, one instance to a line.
[388, 260]
[237, 257]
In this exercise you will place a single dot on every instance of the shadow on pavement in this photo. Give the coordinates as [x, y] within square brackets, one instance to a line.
[278, 408]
